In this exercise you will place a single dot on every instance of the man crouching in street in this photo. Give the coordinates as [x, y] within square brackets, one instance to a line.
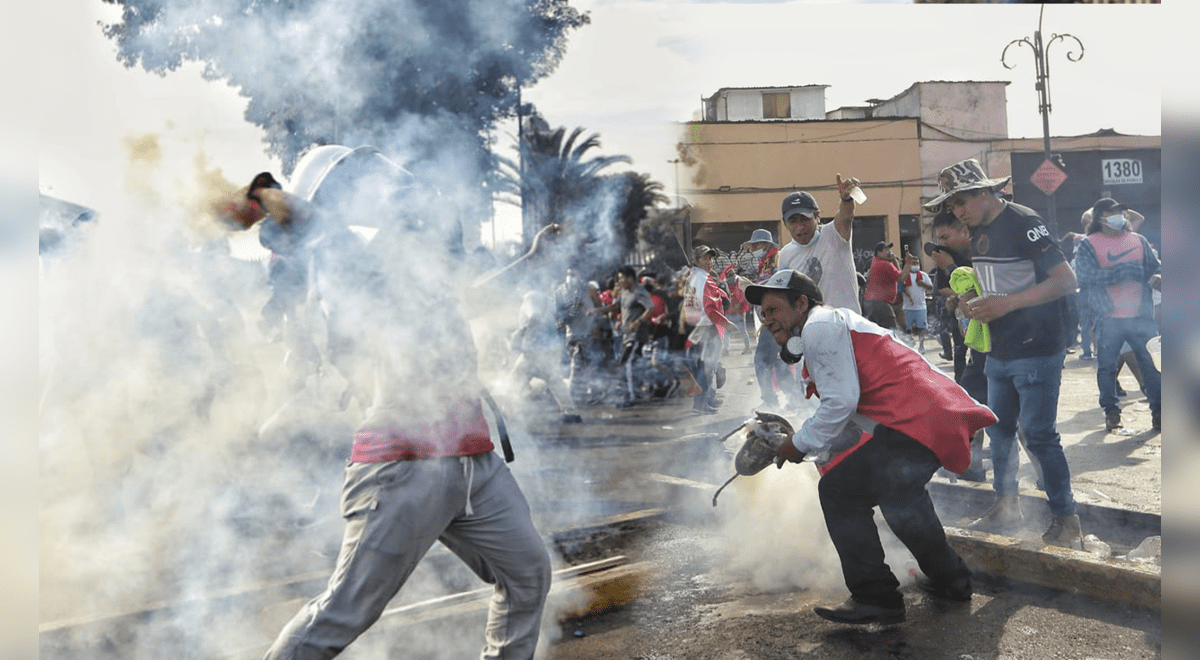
[887, 420]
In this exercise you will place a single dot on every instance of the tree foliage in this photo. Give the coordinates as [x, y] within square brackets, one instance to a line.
[559, 180]
[660, 236]
[420, 79]
[639, 195]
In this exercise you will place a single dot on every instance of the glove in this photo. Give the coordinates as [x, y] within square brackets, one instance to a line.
[787, 453]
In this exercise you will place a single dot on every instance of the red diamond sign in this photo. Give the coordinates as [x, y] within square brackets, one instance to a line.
[1048, 177]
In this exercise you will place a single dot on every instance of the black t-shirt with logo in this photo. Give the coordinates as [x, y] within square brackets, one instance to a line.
[1012, 254]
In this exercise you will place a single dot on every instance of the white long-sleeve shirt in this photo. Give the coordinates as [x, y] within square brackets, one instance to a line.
[863, 374]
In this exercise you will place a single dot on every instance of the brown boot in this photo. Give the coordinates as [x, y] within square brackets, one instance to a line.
[1065, 532]
[1004, 516]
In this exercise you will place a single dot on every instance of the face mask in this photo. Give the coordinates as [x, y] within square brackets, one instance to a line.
[915, 268]
[1116, 221]
[758, 254]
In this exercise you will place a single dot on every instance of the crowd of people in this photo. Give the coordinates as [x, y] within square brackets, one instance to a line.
[879, 419]
[650, 335]
[887, 420]
[636, 338]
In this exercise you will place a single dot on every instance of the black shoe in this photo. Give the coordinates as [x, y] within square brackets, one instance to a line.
[1156, 421]
[949, 358]
[1121, 391]
[1112, 420]
[1087, 356]
[958, 594]
[571, 419]
[855, 612]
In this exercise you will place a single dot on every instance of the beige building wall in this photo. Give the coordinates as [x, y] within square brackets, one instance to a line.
[745, 169]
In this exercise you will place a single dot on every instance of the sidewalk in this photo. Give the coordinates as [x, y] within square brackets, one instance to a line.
[1119, 468]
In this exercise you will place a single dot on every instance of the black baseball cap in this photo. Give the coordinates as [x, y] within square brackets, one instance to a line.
[785, 280]
[882, 246]
[931, 247]
[1106, 205]
[799, 202]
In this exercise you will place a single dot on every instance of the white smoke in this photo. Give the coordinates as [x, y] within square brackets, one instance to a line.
[180, 454]
[776, 529]
[184, 448]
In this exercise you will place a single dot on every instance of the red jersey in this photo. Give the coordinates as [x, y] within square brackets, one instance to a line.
[881, 280]
[856, 367]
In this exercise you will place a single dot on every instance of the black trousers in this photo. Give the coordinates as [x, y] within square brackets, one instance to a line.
[890, 471]
[880, 312]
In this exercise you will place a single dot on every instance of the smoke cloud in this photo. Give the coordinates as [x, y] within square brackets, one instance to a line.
[797, 553]
[187, 449]
[191, 444]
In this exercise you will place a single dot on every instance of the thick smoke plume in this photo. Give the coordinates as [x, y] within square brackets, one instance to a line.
[797, 553]
[188, 447]
[421, 78]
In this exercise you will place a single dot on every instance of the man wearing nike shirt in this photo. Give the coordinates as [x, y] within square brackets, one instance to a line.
[1023, 277]
[1119, 263]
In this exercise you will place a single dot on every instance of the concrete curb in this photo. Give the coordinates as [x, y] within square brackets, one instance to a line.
[1023, 560]
[1113, 524]
[1074, 571]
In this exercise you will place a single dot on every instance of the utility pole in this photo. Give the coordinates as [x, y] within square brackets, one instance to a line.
[1042, 65]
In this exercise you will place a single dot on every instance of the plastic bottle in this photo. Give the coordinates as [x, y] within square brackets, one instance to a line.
[1097, 547]
[1148, 550]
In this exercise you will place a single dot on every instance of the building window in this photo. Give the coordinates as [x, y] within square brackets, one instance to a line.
[777, 105]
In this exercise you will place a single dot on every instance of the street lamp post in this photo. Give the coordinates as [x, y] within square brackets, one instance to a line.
[1042, 65]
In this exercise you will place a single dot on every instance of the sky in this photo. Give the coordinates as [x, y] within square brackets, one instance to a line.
[631, 75]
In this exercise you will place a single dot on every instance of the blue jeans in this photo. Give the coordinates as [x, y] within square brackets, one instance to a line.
[1025, 390]
[1110, 334]
[1087, 321]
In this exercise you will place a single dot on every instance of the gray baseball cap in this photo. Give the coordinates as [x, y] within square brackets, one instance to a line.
[785, 280]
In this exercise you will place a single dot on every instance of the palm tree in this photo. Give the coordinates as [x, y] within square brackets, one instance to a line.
[556, 178]
[640, 195]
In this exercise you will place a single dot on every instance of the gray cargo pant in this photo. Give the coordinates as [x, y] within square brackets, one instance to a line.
[394, 512]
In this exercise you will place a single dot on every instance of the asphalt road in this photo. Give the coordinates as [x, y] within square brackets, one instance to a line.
[718, 590]
[715, 587]
[699, 608]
